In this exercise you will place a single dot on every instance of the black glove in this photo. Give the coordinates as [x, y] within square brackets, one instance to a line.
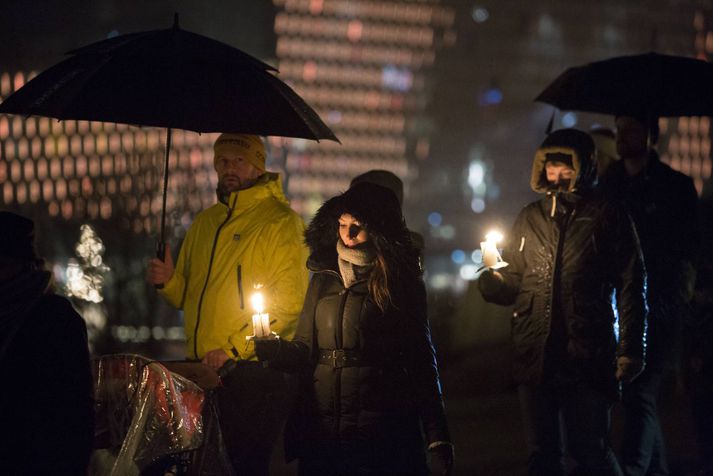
[628, 368]
[490, 281]
[441, 458]
[266, 349]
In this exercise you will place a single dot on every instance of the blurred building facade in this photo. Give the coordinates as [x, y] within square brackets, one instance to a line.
[361, 65]
[686, 141]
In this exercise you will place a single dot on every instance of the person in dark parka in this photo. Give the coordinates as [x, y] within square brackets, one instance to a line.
[363, 345]
[46, 401]
[663, 204]
[568, 253]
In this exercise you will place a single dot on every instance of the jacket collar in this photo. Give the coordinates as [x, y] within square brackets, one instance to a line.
[328, 265]
[560, 203]
[269, 185]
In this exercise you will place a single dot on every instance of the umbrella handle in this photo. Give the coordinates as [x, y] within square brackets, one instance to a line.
[160, 254]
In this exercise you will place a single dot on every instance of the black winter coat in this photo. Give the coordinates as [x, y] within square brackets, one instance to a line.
[370, 412]
[561, 275]
[384, 400]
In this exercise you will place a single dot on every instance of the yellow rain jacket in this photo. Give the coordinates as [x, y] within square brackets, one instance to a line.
[257, 239]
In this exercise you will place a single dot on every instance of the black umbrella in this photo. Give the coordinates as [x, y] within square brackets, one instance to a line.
[650, 84]
[169, 78]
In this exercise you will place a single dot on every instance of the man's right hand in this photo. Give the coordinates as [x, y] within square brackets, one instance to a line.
[159, 272]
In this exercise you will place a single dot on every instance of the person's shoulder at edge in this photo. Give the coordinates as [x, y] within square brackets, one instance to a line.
[668, 173]
[55, 325]
[58, 311]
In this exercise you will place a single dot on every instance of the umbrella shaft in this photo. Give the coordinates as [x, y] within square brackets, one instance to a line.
[165, 187]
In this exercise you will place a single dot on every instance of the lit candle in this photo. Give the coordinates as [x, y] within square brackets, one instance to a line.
[489, 249]
[261, 319]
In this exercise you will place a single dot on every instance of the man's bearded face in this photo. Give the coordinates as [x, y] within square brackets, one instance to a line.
[234, 173]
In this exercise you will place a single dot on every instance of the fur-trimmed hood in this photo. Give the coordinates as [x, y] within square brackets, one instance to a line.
[576, 145]
[379, 212]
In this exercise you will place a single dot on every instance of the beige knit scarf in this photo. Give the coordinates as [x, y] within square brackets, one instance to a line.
[354, 263]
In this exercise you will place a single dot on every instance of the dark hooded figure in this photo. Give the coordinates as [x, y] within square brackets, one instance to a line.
[363, 346]
[568, 253]
[46, 400]
[663, 203]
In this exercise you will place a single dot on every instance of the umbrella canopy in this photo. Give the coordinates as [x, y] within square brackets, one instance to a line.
[169, 78]
[650, 84]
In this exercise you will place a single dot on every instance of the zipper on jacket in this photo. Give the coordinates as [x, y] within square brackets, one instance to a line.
[338, 371]
[240, 286]
[555, 283]
[207, 278]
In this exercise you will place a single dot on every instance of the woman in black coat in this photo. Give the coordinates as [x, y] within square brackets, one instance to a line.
[370, 384]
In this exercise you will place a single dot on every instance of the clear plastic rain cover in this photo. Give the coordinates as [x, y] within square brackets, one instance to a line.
[144, 411]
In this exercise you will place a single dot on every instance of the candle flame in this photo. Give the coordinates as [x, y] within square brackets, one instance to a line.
[258, 302]
[494, 236]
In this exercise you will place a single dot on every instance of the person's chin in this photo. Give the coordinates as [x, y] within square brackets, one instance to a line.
[561, 187]
[229, 186]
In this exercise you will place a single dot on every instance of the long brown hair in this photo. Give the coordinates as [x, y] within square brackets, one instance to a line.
[379, 283]
[395, 267]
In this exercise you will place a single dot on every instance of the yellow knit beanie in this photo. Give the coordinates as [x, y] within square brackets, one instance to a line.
[248, 146]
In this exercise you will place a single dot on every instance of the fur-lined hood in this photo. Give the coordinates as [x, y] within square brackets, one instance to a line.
[578, 147]
[379, 212]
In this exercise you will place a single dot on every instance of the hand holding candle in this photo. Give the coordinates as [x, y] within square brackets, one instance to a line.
[489, 249]
[261, 319]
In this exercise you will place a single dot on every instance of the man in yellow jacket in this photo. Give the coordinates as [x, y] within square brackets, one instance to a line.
[251, 238]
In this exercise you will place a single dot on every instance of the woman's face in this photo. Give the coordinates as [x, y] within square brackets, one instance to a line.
[351, 231]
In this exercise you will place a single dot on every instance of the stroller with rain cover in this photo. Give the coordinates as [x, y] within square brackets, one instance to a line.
[151, 421]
